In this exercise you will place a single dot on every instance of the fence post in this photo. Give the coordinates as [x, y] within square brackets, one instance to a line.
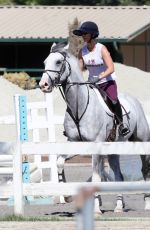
[51, 135]
[52, 138]
[17, 164]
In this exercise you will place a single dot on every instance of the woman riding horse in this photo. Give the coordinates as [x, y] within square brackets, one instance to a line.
[87, 122]
[96, 59]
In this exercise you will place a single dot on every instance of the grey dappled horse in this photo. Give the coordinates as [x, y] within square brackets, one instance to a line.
[87, 120]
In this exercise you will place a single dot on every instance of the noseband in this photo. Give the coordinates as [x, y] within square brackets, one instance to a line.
[60, 72]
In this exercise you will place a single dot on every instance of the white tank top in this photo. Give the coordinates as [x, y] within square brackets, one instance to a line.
[94, 63]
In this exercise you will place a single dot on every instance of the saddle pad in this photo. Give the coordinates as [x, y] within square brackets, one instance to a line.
[123, 102]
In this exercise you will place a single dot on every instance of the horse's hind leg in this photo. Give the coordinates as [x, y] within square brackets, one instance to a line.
[144, 136]
[146, 174]
[115, 166]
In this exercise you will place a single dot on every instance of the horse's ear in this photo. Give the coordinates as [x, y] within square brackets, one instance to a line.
[53, 45]
[66, 47]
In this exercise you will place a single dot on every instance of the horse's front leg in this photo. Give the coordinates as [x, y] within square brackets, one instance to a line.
[146, 174]
[60, 168]
[61, 174]
[97, 177]
[115, 166]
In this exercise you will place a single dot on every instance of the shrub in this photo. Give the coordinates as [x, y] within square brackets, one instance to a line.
[21, 79]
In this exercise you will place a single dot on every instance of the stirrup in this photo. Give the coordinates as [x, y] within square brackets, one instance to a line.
[123, 129]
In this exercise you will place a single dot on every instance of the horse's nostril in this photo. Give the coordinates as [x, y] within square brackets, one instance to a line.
[46, 84]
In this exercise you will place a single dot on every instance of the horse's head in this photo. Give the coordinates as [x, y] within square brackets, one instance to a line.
[57, 68]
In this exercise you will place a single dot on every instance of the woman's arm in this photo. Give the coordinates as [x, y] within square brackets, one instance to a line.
[108, 62]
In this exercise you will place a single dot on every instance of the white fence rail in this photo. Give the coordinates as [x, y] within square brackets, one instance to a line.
[72, 188]
[87, 148]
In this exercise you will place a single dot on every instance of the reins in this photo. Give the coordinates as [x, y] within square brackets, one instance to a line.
[75, 117]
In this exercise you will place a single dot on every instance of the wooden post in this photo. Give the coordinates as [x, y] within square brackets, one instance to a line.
[52, 138]
[51, 135]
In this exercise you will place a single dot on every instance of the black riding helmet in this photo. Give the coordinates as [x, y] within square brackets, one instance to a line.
[87, 27]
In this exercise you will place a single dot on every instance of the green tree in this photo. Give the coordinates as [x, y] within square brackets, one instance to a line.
[122, 2]
[76, 2]
[5, 2]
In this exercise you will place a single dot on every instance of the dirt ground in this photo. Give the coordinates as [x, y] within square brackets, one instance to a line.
[134, 208]
[71, 225]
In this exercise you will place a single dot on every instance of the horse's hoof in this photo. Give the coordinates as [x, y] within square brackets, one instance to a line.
[147, 203]
[118, 210]
[68, 199]
[147, 206]
[59, 200]
[97, 214]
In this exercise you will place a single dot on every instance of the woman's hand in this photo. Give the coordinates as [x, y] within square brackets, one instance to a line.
[95, 79]
[102, 75]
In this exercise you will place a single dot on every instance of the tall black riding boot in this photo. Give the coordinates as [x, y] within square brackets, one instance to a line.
[116, 109]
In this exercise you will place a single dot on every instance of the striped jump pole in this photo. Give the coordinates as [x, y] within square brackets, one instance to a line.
[20, 171]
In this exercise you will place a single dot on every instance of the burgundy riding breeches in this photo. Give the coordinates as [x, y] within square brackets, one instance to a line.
[110, 89]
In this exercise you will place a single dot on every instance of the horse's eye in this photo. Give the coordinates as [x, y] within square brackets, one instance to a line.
[58, 62]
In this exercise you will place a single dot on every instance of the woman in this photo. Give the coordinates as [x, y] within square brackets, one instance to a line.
[97, 60]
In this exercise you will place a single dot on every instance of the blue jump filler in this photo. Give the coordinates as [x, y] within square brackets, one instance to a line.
[24, 137]
[23, 118]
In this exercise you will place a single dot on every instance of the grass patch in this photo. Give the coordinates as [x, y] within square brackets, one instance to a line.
[22, 218]
[19, 218]
[122, 219]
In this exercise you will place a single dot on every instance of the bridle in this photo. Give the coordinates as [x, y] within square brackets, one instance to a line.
[57, 81]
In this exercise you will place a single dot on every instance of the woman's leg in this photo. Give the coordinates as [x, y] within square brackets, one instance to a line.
[110, 89]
